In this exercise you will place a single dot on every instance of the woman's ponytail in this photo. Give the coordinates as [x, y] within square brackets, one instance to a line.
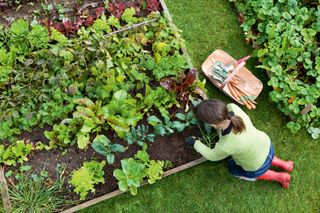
[215, 111]
[238, 124]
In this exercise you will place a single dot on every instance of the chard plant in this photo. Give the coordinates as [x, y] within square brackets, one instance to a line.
[184, 86]
[103, 146]
[85, 178]
[86, 119]
[89, 114]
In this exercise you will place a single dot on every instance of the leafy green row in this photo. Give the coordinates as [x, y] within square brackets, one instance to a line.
[286, 35]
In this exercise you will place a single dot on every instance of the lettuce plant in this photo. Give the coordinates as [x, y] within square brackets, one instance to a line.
[15, 153]
[85, 178]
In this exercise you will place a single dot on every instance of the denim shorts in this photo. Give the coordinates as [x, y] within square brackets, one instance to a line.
[236, 170]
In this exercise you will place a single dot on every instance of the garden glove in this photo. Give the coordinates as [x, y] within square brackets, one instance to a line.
[190, 141]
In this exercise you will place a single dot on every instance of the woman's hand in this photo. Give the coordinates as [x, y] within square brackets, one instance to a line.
[190, 141]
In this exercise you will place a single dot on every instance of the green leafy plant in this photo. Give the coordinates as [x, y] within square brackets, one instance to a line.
[89, 114]
[60, 136]
[130, 175]
[15, 153]
[159, 98]
[184, 121]
[139, 135]
[161, 128]
[128, 15]
[84, 179]
[134, 170]
[154, 171]
[103, 146]
[122, 112]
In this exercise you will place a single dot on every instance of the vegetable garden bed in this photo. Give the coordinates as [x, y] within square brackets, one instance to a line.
[81, 102]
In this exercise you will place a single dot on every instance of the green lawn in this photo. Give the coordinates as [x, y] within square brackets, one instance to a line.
[208, 25]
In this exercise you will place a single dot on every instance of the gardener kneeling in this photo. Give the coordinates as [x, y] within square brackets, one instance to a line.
[251, 149]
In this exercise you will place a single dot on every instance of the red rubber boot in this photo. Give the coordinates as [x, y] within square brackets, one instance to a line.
[286, 165]
[281, 177]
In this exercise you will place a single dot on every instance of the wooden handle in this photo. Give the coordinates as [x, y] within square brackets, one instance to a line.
[234, 72]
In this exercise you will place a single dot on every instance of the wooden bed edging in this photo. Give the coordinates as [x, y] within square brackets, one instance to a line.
[118, 192]
[4, 191]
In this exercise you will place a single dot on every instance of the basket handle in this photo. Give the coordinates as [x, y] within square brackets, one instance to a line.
[234, 72]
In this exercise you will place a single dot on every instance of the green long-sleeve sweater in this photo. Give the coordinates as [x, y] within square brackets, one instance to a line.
[249, 149]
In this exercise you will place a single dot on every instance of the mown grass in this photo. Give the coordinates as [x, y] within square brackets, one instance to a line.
[208, 25]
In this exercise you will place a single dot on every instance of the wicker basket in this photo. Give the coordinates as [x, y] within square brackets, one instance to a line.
[251, 84]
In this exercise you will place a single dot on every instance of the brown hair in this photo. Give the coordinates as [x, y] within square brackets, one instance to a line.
[215, 111]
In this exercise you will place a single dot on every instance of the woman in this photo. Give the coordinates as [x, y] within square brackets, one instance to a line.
[251, 149]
